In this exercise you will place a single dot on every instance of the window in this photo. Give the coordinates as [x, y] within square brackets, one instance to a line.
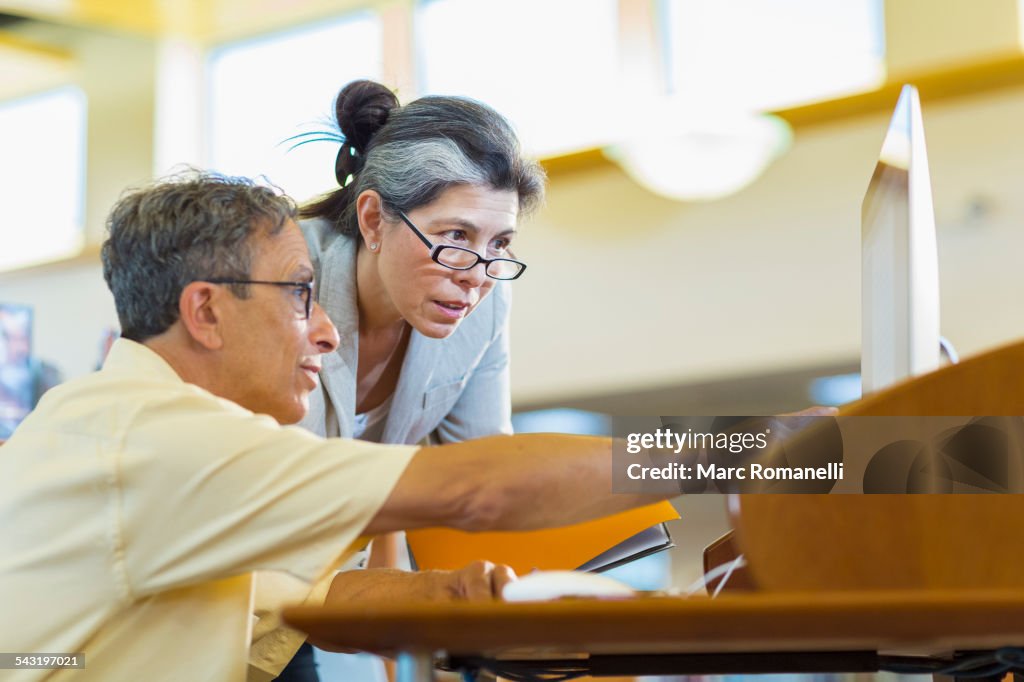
[265, 91]
[754, 55]
[42, 172]
[551, 66]
[562, 420]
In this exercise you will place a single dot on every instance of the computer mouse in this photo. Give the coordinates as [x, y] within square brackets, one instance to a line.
[547, 585]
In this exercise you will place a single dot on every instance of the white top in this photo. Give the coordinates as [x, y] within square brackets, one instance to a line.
[369, 425]
[136, 507]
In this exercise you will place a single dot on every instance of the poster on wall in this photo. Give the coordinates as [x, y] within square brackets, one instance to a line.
[17, 379]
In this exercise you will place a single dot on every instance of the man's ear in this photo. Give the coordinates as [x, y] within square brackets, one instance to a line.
[368, 212]
[200, 312]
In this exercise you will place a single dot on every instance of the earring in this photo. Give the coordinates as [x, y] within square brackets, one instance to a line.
[373, 247]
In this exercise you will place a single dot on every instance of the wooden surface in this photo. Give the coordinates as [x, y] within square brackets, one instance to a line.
[883, 541]
[835, 542]
[917, 622]
[990, 384]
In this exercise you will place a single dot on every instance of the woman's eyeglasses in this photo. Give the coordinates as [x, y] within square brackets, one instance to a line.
[459, 258]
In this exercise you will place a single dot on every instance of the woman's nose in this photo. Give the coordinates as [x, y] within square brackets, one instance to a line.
[473, 277]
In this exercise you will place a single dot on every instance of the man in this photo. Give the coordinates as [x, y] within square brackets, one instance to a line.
[139, 501]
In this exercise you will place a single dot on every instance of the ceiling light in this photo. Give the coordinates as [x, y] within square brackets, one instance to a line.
[701, 156]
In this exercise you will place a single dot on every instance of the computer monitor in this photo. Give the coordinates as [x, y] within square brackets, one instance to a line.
[899, 257]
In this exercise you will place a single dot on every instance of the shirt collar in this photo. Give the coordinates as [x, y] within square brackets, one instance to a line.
[128, 356]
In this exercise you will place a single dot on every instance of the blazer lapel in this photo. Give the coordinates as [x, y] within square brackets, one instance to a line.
[336, 293]
[404, 418]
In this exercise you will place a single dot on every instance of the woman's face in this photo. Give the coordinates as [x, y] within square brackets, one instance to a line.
[430, 297]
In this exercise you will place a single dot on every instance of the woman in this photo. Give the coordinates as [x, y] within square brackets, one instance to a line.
[411, 252]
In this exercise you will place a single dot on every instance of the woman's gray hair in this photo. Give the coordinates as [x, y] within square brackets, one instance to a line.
[410, 155]
[178, 230]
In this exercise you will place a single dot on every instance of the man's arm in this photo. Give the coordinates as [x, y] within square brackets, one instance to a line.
[520, 482]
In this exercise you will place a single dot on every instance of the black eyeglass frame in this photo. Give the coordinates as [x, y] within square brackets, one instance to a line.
[437, 249]
[307, 286]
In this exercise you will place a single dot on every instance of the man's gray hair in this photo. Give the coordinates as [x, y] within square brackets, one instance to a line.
[178, 230]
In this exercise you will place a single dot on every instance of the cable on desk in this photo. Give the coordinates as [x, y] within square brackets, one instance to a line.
[725, 571]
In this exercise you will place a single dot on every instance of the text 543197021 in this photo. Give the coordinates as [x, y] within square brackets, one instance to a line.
[40, 661]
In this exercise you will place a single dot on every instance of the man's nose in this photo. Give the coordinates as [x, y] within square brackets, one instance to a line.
[322, 331]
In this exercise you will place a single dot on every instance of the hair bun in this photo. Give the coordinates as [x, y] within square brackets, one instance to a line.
[361, 109]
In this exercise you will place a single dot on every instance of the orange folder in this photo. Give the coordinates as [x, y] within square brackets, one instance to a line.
[565, 548]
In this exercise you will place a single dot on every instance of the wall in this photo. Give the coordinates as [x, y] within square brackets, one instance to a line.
[72, 310]
[72, 304]
[626, 289]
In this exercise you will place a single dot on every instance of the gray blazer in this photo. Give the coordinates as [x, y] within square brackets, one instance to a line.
[449, 389]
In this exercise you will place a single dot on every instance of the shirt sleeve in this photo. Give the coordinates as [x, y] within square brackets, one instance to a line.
[211, 490]
[273, 643]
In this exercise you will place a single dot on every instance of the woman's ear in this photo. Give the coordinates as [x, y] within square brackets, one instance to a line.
[200, 313]
[371, 219]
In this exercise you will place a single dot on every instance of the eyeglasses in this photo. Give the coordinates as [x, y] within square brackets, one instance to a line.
[303, 291]
[459, 258]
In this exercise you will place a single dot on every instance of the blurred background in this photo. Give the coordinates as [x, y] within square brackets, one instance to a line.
[699, 252]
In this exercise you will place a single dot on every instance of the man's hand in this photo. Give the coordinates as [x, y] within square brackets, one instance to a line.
[479, 581]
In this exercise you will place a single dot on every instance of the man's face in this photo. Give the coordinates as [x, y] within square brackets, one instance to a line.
[272, 351]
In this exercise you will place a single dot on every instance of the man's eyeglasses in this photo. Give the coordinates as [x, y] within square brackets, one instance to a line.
[303, 291]
[459, 258]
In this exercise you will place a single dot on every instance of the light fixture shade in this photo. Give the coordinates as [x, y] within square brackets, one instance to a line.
[702, 157]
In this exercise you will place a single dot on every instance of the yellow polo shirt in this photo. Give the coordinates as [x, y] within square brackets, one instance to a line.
[135, 508]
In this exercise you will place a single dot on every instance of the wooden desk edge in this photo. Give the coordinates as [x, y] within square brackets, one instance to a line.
[912, 620]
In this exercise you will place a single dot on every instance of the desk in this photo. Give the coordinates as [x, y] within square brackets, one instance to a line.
[877, 543]
[757, 632]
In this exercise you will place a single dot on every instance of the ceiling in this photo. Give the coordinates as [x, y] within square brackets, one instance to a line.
[28, 66]
[206, 21]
